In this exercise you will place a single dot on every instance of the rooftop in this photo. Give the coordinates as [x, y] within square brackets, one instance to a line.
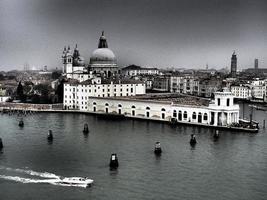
[177, 99]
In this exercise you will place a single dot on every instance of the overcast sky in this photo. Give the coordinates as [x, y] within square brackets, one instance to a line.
[158, 33]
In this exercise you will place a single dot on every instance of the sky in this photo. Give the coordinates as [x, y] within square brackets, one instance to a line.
[152, 33]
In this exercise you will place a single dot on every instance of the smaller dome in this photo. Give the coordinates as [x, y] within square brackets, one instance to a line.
[78, 61]
[102, 55]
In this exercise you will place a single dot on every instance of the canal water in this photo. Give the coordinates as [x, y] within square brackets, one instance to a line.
[234, 167]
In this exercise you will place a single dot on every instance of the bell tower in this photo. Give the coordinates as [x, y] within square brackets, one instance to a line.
[69, 61]
[233, 65]
[64, 60]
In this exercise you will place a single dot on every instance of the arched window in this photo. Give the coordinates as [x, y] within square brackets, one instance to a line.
[185, 115]
[199, 117]
[147, 108]
[94, 103]
[180, 115]
[174, 114]
[119, 106]
[163, 110]
[194, 115]
[106, 104]
[205, 116]
[133, 107]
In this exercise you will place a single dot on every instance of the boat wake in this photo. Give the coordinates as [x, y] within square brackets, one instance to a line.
[48, 178]
[34, 173]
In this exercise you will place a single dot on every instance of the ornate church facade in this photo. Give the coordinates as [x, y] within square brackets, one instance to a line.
[102, 62]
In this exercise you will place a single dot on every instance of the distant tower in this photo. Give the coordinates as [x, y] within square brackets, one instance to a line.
[256, 64]
[233, 65]
[68, 61]
[64, 59]
[26, 66]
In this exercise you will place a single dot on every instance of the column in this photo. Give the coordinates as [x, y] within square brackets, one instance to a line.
[215, 118]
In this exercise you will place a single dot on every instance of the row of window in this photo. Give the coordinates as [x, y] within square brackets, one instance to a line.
[194, 115]
[99, 95]
[104, 85]
[108, 90]
[77, 102]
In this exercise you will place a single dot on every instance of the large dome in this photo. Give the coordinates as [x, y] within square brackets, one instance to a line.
[102, 55]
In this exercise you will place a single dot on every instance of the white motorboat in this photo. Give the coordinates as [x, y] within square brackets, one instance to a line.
[74, 181]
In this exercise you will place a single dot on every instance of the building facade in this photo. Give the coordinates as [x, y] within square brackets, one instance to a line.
[258, 89]
[241, 91]
[220, 112]
[77, 94]
[134, 70]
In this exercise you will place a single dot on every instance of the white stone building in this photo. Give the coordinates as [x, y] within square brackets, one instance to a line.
[77, 94]
[184, 84]
[242, 91]
[258, 89]
[134, 70]
[220, 112]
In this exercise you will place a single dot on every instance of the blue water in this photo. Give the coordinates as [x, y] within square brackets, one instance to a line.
[234, 167]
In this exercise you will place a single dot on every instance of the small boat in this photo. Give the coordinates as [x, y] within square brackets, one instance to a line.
[21, 123]
[193, 140]
[50, 135]
[75, 181]
[114, 163]
[157, 149]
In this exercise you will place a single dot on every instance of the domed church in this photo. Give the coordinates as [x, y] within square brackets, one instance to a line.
[103, 59]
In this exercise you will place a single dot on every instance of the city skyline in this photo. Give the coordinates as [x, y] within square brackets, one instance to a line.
[187, 34]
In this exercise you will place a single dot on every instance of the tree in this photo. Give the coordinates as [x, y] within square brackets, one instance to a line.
[44, 90]
[60, 91]
[2, 77]
[56, 75]
[20, 93]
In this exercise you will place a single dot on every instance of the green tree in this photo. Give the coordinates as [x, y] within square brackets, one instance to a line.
[56, 75]
[60, 91]
[20, 93]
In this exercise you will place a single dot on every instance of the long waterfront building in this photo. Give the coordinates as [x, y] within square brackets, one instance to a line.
[186, 109]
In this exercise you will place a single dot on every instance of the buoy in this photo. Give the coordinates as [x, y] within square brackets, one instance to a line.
[85, 129]
[193, 140]
[216, 135]
[1, 144]
[114, 163]
[157, 149]
[50, 135]
[21, 123]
